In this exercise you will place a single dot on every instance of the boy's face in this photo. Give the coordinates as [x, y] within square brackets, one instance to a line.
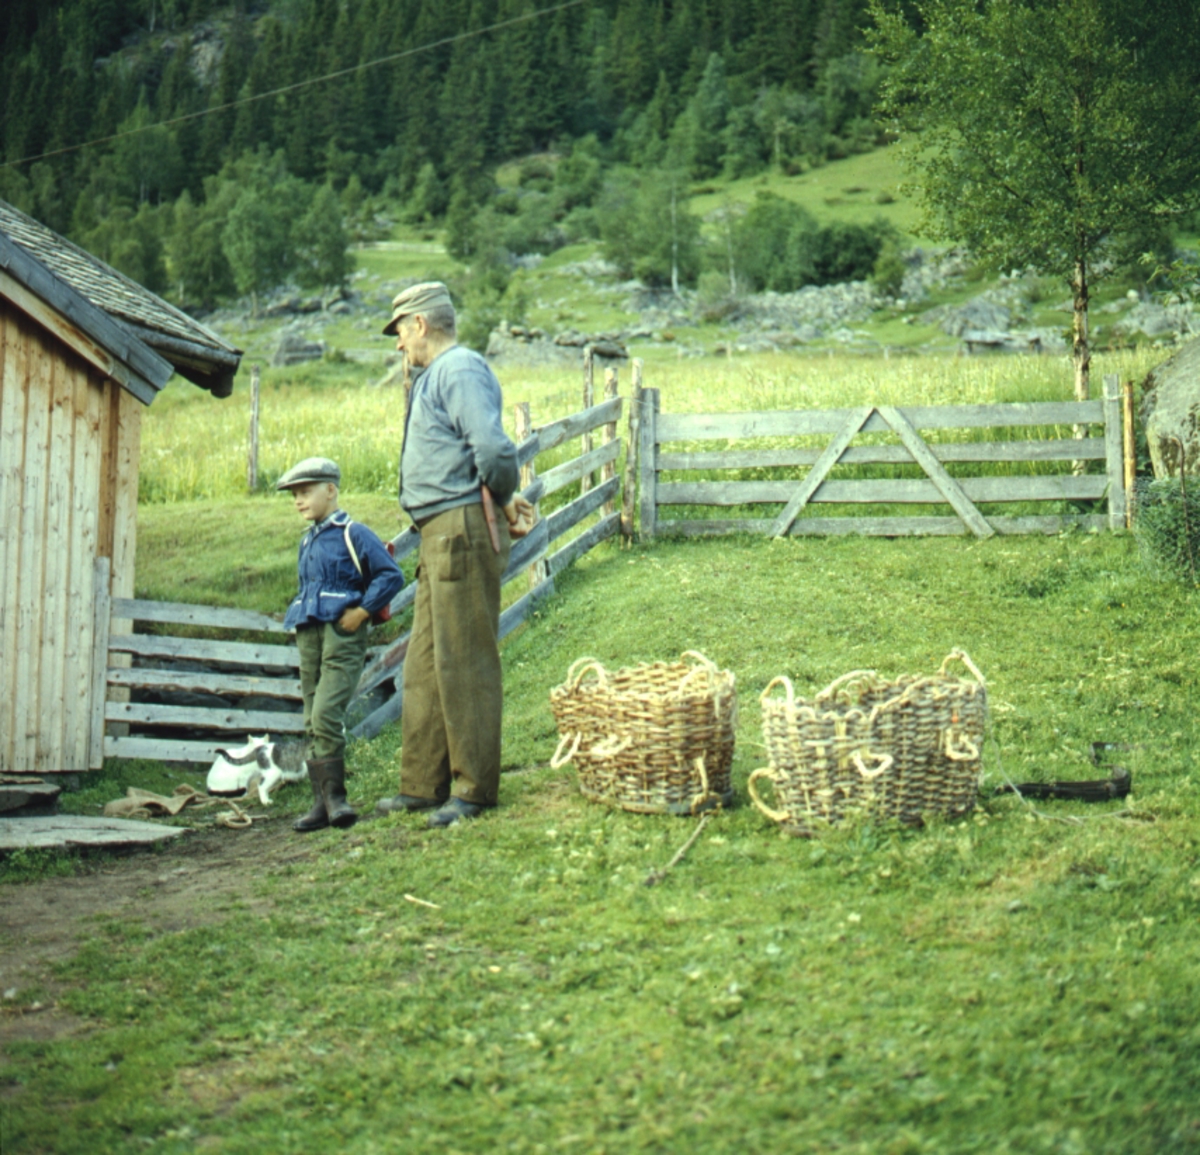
[315, 500]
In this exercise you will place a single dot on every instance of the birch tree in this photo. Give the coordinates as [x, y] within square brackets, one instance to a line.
[1040, 132]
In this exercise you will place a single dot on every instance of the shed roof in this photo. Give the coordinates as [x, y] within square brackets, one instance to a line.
[193, 350]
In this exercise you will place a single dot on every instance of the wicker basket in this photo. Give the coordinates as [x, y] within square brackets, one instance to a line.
[656, 739]
[894, 749]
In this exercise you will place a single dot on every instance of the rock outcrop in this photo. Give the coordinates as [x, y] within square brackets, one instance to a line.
[1171, 412]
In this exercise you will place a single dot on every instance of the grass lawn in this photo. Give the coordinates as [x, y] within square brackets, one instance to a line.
[1007, 982]
[1016, 981]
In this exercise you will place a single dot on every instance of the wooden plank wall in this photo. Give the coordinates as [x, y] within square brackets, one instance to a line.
[68, 494]
[669, 443]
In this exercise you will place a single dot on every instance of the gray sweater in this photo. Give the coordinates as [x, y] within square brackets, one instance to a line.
[454, 438]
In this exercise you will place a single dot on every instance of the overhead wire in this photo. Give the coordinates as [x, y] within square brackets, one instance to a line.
[390, 59]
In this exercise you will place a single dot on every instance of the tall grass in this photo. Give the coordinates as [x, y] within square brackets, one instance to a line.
[194, 447]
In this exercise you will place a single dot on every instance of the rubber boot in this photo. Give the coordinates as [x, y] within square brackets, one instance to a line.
[317, 818]
[338, 811]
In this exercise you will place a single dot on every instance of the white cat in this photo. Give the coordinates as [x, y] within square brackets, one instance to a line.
[259, 763]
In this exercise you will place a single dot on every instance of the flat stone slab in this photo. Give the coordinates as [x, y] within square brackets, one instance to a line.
[66, 830]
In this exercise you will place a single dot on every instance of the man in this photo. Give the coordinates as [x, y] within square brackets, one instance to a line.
[457, 468]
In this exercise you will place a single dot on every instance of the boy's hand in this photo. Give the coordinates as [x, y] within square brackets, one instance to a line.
[519, 515]
[352, 618]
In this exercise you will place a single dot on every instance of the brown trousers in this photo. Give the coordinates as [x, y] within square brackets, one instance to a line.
[453, 690]
[331, 662]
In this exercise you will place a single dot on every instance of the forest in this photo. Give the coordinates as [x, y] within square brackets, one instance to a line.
[229, 193]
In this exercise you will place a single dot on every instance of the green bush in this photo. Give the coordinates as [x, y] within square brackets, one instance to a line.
[1167, 527]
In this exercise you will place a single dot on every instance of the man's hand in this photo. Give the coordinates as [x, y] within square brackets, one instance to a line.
[519, 515]
[352, 618]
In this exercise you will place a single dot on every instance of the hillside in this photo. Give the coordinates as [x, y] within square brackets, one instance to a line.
[573, 290]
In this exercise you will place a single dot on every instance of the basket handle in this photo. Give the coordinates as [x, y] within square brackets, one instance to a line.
[784, 681]
[965, 658]
[558, 760]
[969, 752]
[837, 683]
[705, 790]
[885, 761]
[764, 772]
[701, 661]
[611, 746]
[580, 667]
[705, 667]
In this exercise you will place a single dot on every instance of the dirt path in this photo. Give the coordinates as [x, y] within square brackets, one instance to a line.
[185, 885]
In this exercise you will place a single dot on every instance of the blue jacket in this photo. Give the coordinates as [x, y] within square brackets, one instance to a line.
[454, 438]
[329, 580]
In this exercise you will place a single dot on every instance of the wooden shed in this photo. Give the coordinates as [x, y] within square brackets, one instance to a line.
[82, 350]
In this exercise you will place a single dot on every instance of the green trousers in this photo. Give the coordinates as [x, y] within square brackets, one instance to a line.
[453, 692]
[331, 662]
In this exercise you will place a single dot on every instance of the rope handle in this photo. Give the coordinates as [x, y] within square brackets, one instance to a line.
[558, 760]
[767, 774]
[969, 751]
[704, 666]
[610, 747]
[784, 681]
[886, 761]
[837, 684]
[962, 656]
[705, 791]
[702, 662]
[580, 667]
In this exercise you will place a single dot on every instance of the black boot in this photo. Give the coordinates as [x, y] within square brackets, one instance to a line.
[317, 818]
[338, 811]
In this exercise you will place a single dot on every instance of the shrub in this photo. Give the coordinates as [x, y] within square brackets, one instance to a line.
[1167, 527]
[887, 275]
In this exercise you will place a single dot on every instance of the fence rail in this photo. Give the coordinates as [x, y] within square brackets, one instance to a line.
[184, 696]
[196, 694]
[659, 446]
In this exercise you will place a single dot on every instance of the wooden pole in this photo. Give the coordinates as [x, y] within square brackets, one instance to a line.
[609, 471]
[648, 465]
[524, 429]
[1128, 444]
[1113, 456]
[589, 399]
[252, 463]
[629, 485]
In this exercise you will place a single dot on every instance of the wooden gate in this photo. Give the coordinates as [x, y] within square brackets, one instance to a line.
[668, 453]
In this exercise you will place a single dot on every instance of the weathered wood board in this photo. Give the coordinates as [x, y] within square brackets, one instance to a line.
[30, 795]
[794, 423]
[61, 831]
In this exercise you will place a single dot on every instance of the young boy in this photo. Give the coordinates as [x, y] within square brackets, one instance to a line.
[346, 576]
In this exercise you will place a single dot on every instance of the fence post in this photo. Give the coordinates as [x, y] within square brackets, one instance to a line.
[1114, 451]
[1130, 449]
[611, 388]
[629, 486]
[589, 399]
[648, 464]
[252, 461]
[524, 428]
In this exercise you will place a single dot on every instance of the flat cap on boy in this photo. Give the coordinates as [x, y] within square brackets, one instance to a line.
[417, 299]
[309, 470]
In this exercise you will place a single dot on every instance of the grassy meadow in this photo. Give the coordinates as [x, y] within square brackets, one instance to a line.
[1021, 980]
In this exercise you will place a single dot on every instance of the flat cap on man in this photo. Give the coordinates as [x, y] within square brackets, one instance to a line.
[417, 299]
[309, 470]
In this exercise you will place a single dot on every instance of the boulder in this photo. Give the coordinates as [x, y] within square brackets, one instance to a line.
[978, 314]
[293, 349]
[1171, 410]
[1154, 320]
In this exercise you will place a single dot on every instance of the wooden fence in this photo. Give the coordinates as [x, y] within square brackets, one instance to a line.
[660, 453]
[213, 692]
